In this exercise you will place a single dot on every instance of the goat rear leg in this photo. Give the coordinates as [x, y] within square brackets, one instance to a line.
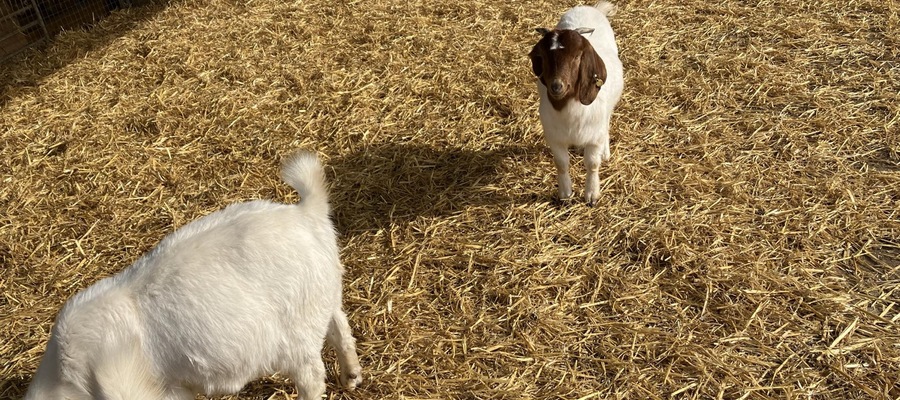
[341, 338]
[563, 180]
[604, 148]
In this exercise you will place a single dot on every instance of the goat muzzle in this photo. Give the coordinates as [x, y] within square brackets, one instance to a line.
[557, 89]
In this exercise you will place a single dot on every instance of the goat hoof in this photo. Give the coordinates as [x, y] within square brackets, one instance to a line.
[351, 380]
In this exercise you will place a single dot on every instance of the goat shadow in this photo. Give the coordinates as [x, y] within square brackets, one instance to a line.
[13, 387]
[375, 187]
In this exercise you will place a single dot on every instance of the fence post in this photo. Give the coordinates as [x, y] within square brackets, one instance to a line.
[37, 11]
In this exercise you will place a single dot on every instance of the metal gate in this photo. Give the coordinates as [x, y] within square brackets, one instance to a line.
[24, 23]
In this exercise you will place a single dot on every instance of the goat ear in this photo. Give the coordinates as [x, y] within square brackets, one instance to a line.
[537, 64]
[585, 31]
[591, 76]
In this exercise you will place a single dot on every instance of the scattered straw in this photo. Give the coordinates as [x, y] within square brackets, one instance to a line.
[746, 244]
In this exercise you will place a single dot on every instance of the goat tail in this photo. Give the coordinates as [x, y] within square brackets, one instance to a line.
[305, 174]
[607, 8]
[124, 374]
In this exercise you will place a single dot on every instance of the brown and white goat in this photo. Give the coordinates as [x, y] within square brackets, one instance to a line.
[580, 80]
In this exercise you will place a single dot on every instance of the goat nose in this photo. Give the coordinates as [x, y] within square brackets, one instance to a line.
[556, 87]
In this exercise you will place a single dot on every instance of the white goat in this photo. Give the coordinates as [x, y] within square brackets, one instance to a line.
[244, 292]
[585, 80]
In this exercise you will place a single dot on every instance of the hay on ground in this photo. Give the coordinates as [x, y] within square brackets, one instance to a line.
[746, 244]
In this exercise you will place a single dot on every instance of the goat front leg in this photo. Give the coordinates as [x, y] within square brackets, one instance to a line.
[179, 393]
[340, 337]
[309, 377]
[593, 156]
[561, 159]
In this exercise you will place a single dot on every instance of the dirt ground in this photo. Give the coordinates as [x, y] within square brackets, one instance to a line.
[746, 244]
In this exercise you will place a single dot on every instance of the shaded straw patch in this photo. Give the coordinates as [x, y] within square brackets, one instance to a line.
[746, 244]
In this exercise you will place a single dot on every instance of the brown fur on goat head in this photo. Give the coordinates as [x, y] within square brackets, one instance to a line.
[568, 66]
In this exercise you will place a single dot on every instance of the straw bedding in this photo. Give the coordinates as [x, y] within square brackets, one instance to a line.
[746, 244]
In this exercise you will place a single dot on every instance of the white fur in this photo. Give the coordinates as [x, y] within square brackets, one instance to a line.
[577, 125]
[556, 45]
[244, 292]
